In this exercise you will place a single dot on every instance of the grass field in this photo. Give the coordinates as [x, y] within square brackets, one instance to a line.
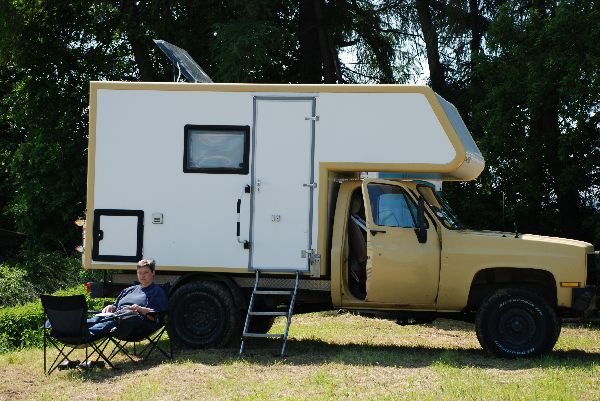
[330, 356]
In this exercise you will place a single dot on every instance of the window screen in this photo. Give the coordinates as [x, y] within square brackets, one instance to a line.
[216, 149]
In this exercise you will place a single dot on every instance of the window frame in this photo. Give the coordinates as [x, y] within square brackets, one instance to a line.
[244, 129]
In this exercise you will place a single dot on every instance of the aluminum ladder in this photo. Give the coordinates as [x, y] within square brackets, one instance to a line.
[292, 293]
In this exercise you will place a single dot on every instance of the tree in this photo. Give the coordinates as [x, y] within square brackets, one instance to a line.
[539, 114]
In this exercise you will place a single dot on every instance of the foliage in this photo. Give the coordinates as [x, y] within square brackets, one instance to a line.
[14, 287]
[51, 271]
[541, 136]
[20, 326]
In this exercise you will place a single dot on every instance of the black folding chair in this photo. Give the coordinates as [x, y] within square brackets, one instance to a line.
[67, 328]
[152, 331]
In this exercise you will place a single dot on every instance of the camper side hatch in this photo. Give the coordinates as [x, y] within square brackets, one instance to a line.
[118, 235]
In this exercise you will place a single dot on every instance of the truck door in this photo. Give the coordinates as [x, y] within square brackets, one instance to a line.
[282, 183]
[400, 269]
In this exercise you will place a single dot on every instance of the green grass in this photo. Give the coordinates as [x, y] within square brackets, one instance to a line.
[331, 356]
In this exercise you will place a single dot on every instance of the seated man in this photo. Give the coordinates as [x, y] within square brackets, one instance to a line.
[142, 299]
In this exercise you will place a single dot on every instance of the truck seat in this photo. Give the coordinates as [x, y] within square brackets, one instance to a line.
[357, 258]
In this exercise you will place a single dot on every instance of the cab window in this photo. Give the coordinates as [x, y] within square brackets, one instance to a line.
[391, 207]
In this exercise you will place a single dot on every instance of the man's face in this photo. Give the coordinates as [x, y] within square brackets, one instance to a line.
[145, 276]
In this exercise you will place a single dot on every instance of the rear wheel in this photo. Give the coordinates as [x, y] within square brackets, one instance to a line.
[203, 314]
[515, 322]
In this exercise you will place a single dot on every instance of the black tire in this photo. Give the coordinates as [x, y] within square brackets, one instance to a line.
[261, 324]
[203, 315]
[515, 322]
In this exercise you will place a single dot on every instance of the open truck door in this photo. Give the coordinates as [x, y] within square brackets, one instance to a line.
[403, 264]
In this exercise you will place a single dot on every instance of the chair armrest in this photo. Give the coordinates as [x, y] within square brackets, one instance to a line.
[160, 317]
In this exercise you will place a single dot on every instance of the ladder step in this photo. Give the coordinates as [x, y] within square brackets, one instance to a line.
[273, 292]
[261, 335]
[267, 313]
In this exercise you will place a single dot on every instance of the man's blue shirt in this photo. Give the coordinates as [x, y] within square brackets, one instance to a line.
[152, 297]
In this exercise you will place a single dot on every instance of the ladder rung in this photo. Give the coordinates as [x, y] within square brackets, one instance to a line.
[273, 292]
[268, 313]
[261, 335]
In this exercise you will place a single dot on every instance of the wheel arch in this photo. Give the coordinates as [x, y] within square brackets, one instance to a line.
[231, 285]
[487, 281]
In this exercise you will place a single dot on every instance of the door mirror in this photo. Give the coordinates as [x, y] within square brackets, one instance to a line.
[421, 229]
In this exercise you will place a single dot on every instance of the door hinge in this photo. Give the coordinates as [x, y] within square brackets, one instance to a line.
[313, 257]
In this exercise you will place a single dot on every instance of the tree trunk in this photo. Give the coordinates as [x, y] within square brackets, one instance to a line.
[310, 61]
[436, 70]
[140, 43]
[331, 65]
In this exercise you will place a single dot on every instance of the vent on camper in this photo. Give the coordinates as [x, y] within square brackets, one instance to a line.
[184, 63]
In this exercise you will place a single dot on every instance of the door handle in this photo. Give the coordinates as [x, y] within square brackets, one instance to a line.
[100, 235]
[374, 232]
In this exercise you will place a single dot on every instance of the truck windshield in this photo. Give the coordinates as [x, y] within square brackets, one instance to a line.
[440, 207]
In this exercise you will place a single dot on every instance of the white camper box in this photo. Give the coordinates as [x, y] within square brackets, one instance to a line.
[169, 162]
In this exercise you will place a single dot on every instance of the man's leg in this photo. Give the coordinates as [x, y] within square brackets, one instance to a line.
[98, 327]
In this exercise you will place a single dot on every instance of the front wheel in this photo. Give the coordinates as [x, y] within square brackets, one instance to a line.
[515, 322]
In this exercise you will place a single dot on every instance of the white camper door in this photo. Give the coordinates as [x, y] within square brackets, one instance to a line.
[282, 183]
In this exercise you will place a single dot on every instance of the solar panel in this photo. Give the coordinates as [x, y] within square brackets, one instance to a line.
[183, 62]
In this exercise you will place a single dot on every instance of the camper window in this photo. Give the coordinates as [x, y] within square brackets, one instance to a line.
[216, 149]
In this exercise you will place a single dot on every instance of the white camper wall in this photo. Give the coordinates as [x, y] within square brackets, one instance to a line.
[139, 165]
[380, 128]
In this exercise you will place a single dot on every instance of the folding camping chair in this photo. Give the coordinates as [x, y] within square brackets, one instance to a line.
[67, 327]
[151, 331]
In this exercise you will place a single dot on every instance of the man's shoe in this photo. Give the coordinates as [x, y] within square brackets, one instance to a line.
[68, 365]
[91, 364]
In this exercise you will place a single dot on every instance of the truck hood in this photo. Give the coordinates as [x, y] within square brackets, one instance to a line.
[531, 238]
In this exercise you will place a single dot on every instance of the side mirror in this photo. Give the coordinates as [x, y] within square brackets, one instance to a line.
[421, 230]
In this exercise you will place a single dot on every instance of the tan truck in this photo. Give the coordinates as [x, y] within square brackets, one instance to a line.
[252, 196]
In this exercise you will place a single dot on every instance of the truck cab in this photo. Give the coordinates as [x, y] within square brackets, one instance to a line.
[398, 247]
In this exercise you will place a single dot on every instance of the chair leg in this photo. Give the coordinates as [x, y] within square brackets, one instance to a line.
[120, 348]
[56, 362]
[153, 344]
[45, 372]
[99, 348]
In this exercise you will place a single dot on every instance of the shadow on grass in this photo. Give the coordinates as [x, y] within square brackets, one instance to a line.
[310, 352]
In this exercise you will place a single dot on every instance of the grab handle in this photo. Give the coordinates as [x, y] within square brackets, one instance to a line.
[239, 212]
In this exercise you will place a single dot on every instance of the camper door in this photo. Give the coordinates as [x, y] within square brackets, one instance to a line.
[283, 183]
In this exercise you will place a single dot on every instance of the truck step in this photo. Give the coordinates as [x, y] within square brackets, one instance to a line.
[273, 292]
[267, 313]
[261, 335]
